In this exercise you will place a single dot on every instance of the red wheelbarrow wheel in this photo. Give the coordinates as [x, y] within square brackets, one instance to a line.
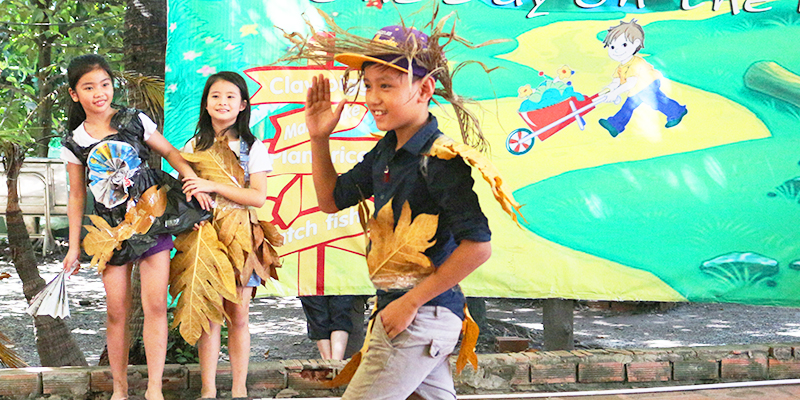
[520, 141]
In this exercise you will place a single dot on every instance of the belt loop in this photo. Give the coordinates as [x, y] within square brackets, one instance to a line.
[436, 311]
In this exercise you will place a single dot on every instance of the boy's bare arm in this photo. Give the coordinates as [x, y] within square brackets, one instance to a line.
[467, 257]
[321, 121]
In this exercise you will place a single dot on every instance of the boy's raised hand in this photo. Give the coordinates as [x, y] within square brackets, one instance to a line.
[320, 118]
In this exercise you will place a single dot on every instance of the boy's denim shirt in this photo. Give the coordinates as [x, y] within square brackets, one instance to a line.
[431, 186]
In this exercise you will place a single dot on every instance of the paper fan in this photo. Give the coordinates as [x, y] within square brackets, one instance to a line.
[52, 300]
[112, 164]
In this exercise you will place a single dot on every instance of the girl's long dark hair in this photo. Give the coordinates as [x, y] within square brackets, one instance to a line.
[204, 133]
[78, 67]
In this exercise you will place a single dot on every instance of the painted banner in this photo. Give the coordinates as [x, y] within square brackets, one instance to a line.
[654, 144]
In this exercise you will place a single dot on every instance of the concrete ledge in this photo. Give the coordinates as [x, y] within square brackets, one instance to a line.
[524, 371]
[68, 381]
[21, 382]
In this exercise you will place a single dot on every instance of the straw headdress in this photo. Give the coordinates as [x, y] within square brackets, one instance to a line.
[321, 47]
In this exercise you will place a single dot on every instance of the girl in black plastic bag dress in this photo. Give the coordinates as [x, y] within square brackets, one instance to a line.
[114, 145]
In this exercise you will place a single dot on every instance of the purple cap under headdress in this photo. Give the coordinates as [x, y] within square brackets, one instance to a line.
[406, 40]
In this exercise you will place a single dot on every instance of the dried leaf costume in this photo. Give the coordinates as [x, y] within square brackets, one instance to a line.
[134, 203]
[212, 261]
[423, 191]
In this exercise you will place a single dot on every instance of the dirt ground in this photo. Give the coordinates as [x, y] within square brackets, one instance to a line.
[278, 327]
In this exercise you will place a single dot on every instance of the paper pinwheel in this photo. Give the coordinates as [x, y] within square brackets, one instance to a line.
[112, 164]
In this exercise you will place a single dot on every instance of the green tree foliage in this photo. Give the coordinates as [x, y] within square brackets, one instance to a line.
[37, 40]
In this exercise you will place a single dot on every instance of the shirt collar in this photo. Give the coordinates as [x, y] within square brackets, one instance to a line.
[417, 143]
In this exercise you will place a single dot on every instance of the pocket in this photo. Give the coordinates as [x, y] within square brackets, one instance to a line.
[441, 348]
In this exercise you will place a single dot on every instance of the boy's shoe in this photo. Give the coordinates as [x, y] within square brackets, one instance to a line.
[610, 128]
[676, 120]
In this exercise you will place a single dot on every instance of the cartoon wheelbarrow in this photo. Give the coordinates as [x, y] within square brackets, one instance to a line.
[545, 122]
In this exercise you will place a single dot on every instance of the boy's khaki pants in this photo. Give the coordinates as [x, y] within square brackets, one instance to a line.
[415, 361]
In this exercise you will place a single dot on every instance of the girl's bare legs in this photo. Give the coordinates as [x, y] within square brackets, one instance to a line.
[238, 348]
[239, 340]
[208, 350]
[117, 282]
[154, 272]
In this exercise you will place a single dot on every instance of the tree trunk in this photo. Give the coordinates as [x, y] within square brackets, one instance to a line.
[145, 43]
[146, 47]
[44, 82]
[54, 341]
[136, 355]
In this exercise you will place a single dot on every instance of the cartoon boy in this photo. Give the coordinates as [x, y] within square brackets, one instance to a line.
[637, 77]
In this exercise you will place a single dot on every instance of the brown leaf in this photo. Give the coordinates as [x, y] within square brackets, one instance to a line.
[217, 164]
[258, 235]
[469, 339]
[275, 261]
[237, 257]
[203, 275]
[396, 258]
[265, 257]
[102, 239]
[271, 233]
[233, 226]
[251, 265]
[4, 275]
[232, 222]
[100, 242]
[269, 257]
[150, 206]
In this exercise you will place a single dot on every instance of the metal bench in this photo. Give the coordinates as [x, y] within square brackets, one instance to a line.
[43, 192]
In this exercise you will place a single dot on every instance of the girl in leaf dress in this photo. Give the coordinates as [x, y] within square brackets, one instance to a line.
[114, 144]
[224, 119]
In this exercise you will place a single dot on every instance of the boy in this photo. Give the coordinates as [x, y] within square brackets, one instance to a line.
[419, 314]
[635, 76]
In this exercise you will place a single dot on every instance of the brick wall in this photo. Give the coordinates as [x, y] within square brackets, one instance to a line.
[526, 371]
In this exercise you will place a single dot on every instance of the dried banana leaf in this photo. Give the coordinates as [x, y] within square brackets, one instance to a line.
[9, 358]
